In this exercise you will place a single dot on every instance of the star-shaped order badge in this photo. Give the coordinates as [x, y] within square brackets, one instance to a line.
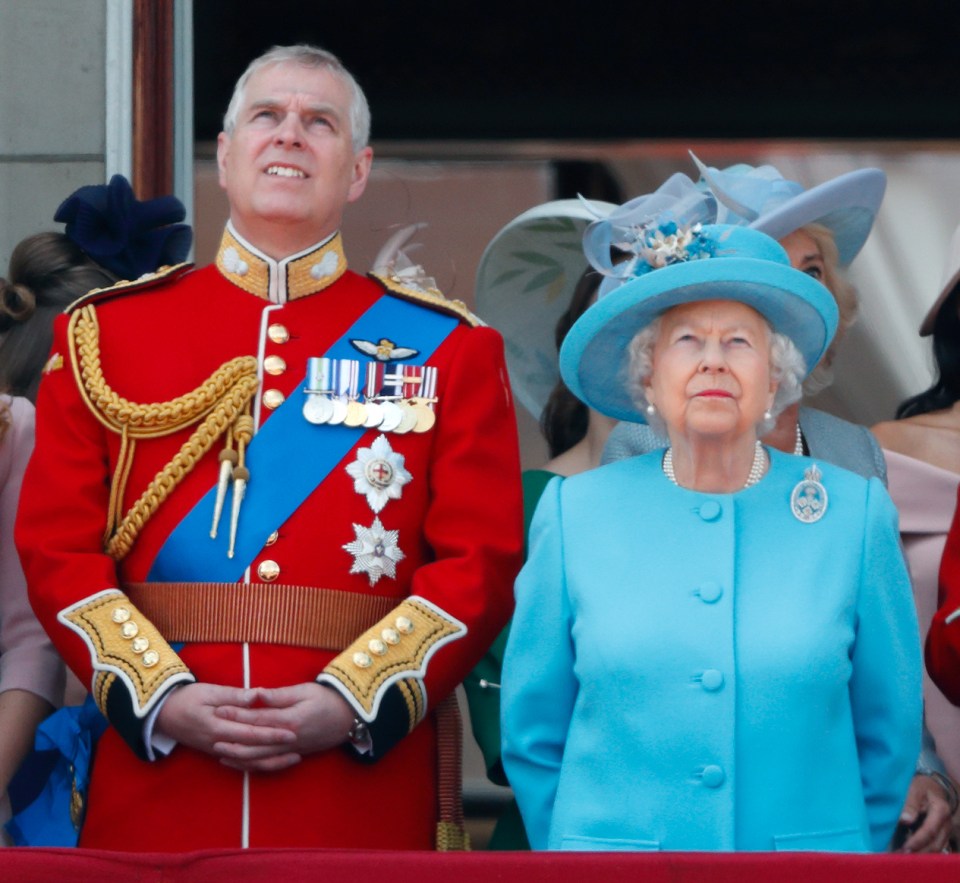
[378, 473]
[375, 551]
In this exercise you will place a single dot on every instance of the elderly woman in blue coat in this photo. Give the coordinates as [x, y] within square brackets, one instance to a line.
[715, 644]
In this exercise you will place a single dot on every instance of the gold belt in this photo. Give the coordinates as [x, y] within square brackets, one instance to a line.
[257, 613]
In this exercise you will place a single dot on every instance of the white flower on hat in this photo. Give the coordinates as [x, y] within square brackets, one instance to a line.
[661, 248]
[379, 473]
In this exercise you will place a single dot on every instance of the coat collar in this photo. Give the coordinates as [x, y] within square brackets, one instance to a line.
[295, 276]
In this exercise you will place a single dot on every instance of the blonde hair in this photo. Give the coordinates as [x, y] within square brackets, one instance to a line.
[843, 293]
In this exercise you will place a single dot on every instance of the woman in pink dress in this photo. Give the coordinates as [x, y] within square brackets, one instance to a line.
[922, 449]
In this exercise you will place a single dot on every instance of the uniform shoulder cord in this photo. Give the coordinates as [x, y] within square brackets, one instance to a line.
[220, 405]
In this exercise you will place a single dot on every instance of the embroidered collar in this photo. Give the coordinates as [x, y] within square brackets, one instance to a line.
[295, 276]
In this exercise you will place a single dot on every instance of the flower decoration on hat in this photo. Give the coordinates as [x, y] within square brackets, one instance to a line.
[744, 193]
[651, 232]
[127, 236]
[762, 198]
[393, 262]
[378, 473]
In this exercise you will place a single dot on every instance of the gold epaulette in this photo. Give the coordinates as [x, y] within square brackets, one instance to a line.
[428, 297]
[126, 286]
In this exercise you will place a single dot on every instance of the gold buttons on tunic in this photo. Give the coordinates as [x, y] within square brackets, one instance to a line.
[140, 645]
[278, 333]
[129, 630]
[390, 636]
[120, 614]
[377, 647]
[268, 570]
[273, 398]
[151, 658]
[404, 625]
[362, 660]
[274, 365]
[272, 538]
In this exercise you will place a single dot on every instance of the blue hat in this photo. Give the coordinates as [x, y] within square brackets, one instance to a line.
[762, 198]
[678, 264]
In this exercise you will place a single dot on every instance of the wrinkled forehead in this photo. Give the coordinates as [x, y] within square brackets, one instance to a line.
[284, 80]
[714, 313]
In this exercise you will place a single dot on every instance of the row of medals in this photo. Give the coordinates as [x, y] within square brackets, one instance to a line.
[397, 414]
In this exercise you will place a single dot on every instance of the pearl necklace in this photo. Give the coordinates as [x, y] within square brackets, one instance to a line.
[757, 468]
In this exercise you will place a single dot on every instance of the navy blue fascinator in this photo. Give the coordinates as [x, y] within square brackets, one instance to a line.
[127, 236]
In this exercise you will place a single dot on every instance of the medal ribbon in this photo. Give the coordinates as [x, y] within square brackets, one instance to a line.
[412, 378]
[374, 380]
[428, 386]
[288, 458]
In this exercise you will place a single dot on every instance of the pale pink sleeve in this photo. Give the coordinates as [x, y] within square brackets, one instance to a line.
[27, 658]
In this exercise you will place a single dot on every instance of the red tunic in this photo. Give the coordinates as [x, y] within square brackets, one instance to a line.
[943, 639]
[459, 528]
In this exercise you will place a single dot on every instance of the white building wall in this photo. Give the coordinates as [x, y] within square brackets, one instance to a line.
[52, 109]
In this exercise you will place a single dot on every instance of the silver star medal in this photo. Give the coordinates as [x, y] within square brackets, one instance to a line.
[378, 473]
[375, 551]
[808, 502]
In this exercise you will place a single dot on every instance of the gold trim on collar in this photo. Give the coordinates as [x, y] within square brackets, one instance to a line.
[280, 281]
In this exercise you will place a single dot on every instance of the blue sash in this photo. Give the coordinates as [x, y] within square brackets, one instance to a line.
[289, 458]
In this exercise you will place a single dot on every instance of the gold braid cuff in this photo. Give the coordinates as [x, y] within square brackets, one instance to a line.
[395, 651]
[124, 644]
[216, 405]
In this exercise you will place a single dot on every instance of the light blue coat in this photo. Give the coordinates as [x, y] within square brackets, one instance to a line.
[693, 671]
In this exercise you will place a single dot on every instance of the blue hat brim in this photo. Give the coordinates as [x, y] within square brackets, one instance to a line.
[594, 358]
[846, 205]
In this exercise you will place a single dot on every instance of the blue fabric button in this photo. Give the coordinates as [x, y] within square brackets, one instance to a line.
[710, 510]
[713, 776]
[710, 592]
[712, 680]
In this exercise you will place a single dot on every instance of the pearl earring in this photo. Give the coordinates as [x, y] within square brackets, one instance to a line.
[651, 410]
[767, 415]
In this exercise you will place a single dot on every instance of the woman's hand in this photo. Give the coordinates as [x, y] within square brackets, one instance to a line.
[317, 719]
[926, 797]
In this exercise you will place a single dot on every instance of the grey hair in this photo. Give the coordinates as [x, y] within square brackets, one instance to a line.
[787, 367]
[313, 57]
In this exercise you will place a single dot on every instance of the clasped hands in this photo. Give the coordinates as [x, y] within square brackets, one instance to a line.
[258, 729]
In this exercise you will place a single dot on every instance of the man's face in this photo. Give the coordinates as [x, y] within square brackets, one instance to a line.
[289, 161]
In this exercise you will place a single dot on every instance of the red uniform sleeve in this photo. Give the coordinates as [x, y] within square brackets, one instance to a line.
[72, 582]
[943, 639]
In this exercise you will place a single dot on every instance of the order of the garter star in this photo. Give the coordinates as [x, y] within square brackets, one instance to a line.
[378, 473]
[375, 551]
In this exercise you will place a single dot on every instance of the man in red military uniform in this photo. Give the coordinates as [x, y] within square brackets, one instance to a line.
[273, 516]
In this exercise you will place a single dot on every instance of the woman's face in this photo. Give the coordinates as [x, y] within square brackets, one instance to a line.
[711, 369]
[804, 253]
